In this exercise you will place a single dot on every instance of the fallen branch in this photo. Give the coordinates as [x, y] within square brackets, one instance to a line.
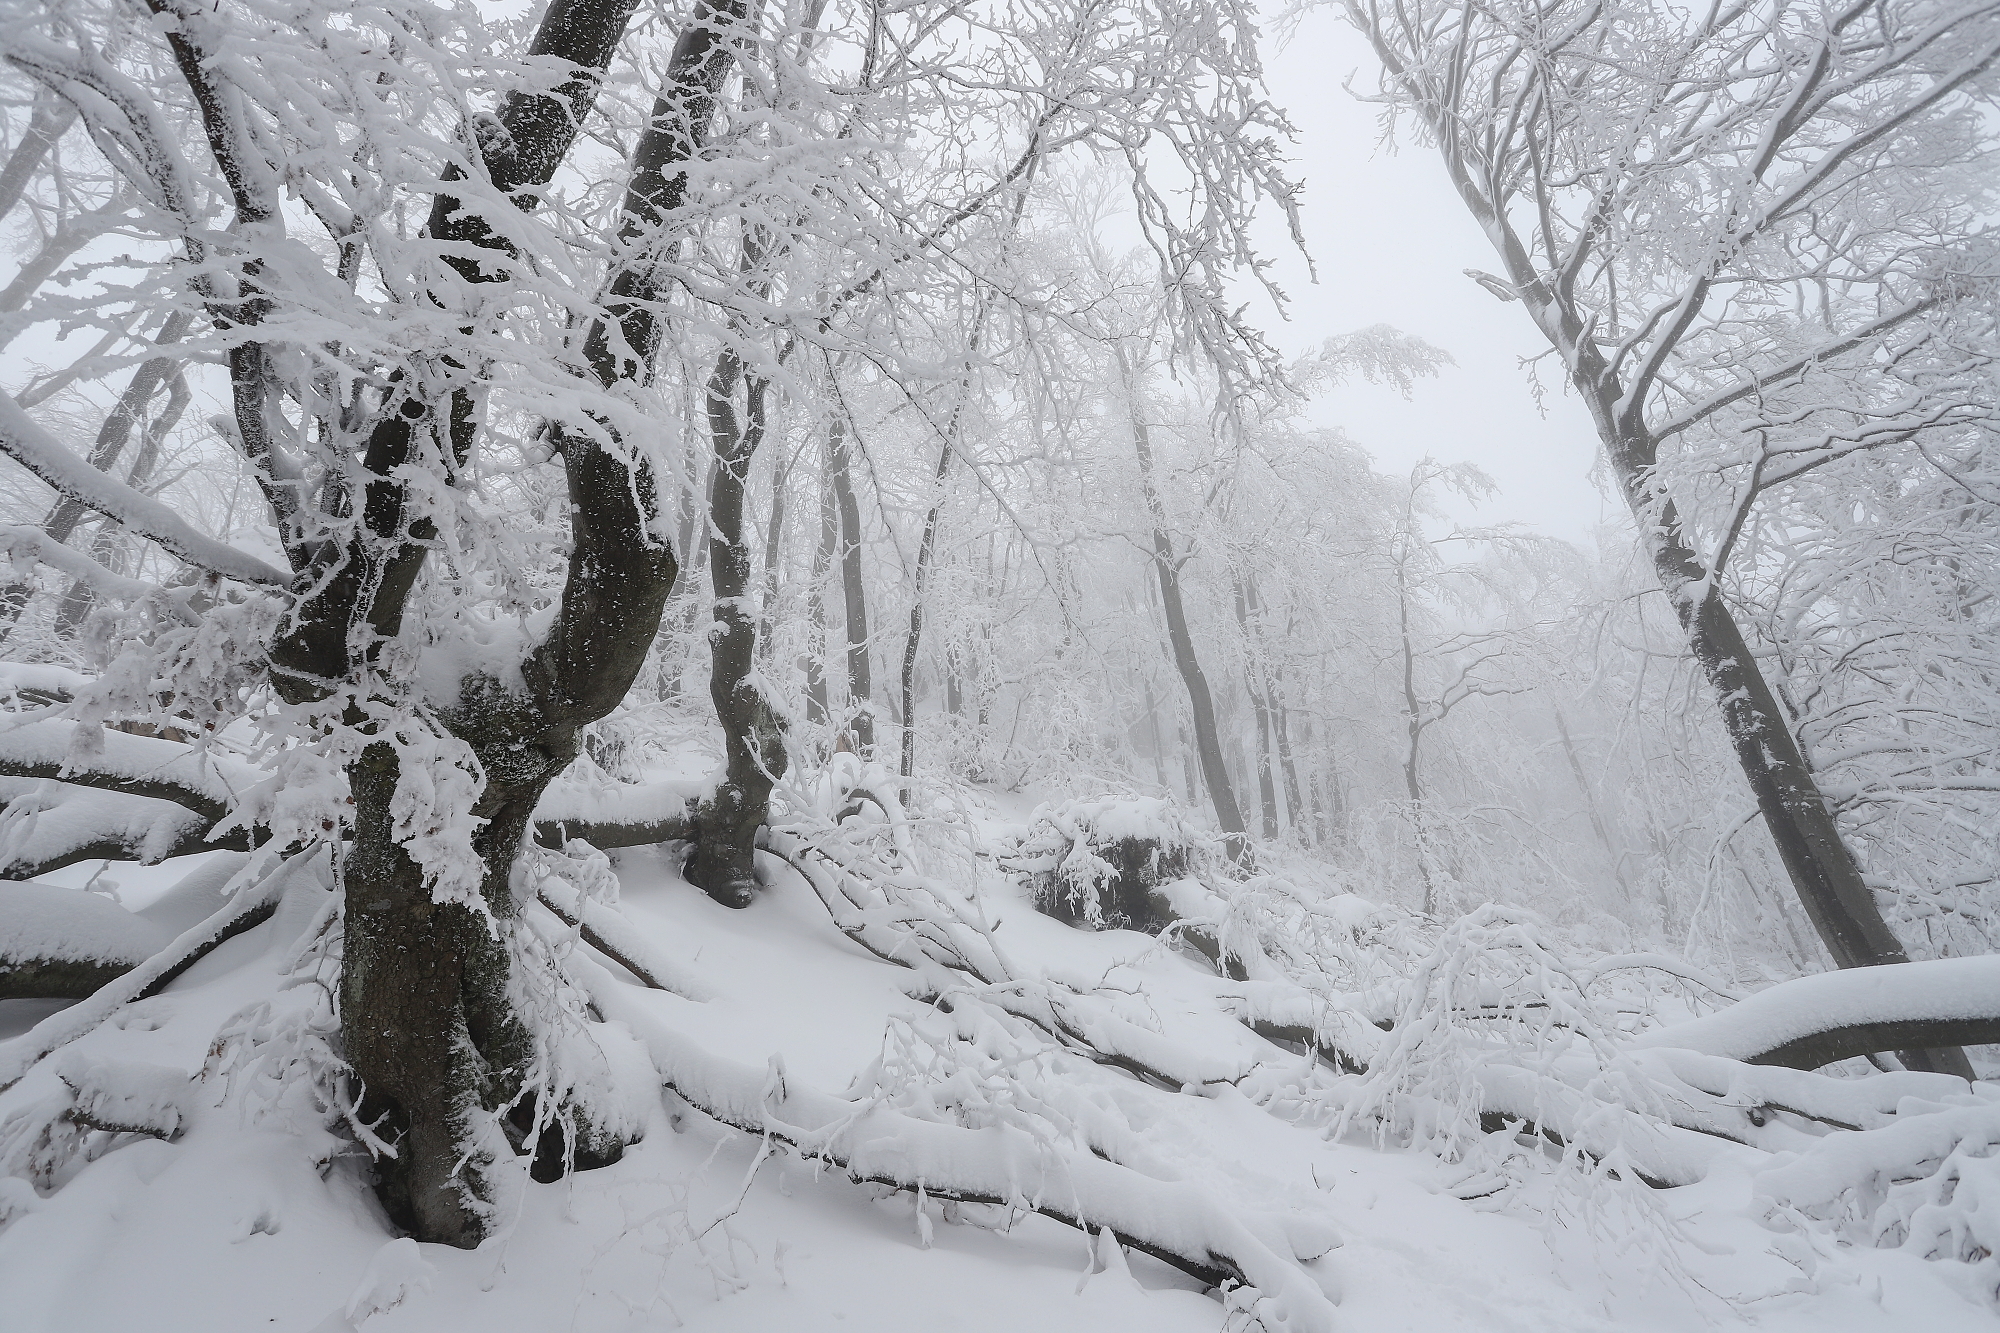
[1174, 1222]
[624, 816]
[116, 761]
[608, 932]
[1820, 1020]
[47, 830]
[251, 906]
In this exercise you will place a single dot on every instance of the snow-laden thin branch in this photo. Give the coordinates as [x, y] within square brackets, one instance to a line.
[39, 452]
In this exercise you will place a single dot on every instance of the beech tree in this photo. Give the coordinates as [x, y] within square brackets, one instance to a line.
[453, 260]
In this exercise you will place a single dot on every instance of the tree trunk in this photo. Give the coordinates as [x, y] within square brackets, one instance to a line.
[428, 1027]
[420, 982]
[1822, 868]
[1413, 723]
[724, 860]
[1590, 802]
[774, 548]
[53, 115]
[1201, 704]
[1260, 704]
[1294, 802]
[860, 703]
[926, 553]
[817, 710]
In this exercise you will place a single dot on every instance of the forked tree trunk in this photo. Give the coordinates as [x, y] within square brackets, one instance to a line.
[428, 1025]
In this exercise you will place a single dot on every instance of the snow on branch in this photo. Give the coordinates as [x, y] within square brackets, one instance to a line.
[55, 824]
[621, 816]
[66, 943]
[39, 452]
[132, 765]
[1834, 1016]
[1172, 1221]
[32, 546]
[608, 931]
[258, 887]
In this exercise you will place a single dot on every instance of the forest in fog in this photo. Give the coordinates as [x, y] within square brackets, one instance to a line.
[726, 663]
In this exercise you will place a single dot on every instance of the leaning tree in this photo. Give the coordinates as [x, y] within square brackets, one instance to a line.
[1748, 234]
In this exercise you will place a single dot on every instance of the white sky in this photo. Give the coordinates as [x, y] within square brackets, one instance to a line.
[1391, 240]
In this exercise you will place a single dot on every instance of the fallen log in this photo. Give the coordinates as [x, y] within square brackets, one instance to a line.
[1833, 1016]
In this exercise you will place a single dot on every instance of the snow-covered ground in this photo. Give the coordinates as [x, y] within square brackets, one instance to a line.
[256, 1220]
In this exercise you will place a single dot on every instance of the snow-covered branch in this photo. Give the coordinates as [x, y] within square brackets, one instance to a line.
[1818, 1020]
[203, 781]
[39, 452]
[1174, 1222]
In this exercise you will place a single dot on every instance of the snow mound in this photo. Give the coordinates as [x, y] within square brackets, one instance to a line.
[70, 925]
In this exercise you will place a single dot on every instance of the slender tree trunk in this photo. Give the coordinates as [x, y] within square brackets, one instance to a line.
[1267, 795]
[1294, 803]
[1201, 704]
[53, 115]
[860, 690]
[1155, 739]
[817, 711]
[1819, 863]
[724, 860]
[774, 538]
[1413, 723]
[926, 553]
[1590, 801]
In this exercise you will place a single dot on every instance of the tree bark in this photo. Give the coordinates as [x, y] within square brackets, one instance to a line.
[51, 119]
[1413, 725]
[430, 1031]
[723, 863]
[1294, 796]
[817, 710]
[926, 553]
[854, 593]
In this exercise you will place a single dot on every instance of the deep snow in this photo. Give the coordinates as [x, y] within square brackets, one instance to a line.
[248, 1223]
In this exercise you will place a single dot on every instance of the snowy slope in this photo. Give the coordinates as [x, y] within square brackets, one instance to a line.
[244, 1223]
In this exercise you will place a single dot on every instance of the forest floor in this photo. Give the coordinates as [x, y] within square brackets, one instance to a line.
[244, 1224]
